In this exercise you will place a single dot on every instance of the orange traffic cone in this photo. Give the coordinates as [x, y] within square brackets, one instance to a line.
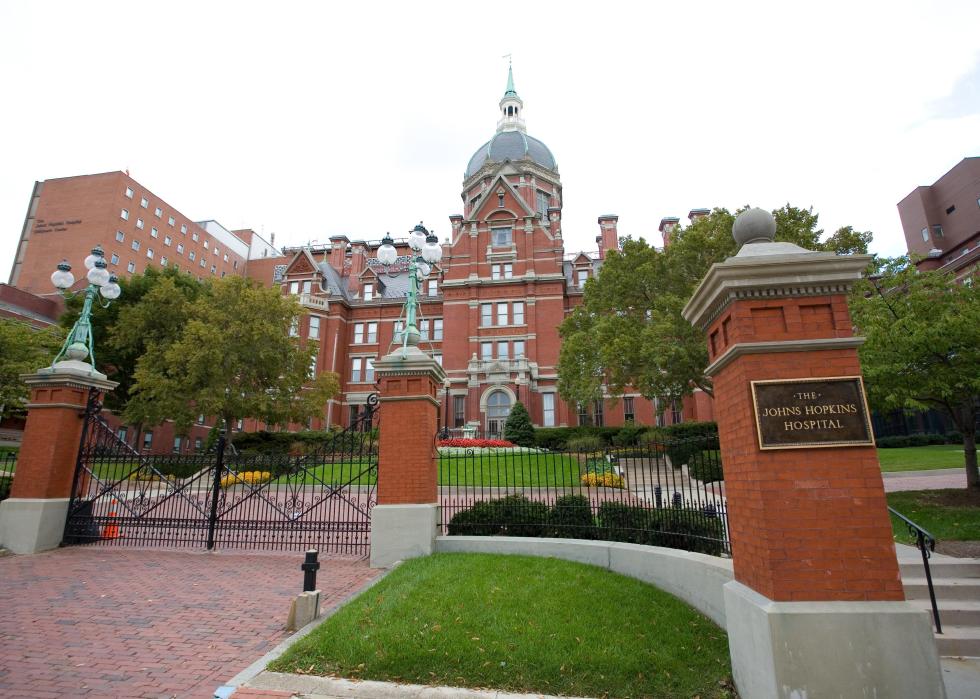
[111, 530]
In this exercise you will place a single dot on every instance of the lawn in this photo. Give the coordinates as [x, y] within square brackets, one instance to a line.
[521, 624]
[951, 515]
[921, 458]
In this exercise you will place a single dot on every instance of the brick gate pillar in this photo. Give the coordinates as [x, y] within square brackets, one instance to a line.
[32, 519]
[817, 606]
[403, 523]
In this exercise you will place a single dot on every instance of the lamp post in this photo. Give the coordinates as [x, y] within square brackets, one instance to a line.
[445, 414]
[78, 345]
[425, 251]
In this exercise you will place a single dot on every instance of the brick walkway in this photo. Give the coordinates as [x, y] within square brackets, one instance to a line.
[937, 481]
[102, 622]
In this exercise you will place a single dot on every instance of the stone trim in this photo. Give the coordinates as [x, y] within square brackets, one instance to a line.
[743, 348]
[73, 406]
[392, 399]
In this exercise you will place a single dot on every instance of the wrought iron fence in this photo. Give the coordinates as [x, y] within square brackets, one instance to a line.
[663, 493]
[8, 462]
[319, 498]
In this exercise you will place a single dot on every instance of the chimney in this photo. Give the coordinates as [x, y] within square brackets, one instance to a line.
[554, 216]
[608, 238]
[667, 226]
[457, 221]
[272, 239]
[338, 252]
[358, 263]
[694, 214]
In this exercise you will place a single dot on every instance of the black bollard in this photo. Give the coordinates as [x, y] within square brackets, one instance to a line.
[310, 567]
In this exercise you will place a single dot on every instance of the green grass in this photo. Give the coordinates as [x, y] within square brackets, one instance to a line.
[921, 458]
[951, 515]
[521, 624]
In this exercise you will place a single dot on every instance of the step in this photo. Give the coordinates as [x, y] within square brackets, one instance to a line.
[963, 568]
[946, 588]
[957, 612]
[959, 640]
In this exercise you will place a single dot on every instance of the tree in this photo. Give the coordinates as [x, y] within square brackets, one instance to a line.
[234, 358]
[23, 350]
[629, 331]
[518, 428]
[922, 346]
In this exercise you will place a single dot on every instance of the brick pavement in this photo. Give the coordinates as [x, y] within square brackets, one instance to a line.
[109, 622]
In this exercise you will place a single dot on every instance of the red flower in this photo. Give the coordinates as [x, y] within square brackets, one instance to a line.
[474, 443]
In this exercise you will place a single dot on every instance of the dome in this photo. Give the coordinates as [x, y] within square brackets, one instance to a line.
[511, 145]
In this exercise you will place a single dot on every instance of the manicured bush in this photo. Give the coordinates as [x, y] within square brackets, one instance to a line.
[558, 437]
[706, 467]
[571, 518]
[936, 438]
[918, 440]
[897, 442]
[620, 522]
[513, 515]
[588, 443]
[518, 428]
[628, 435]
[954, 437]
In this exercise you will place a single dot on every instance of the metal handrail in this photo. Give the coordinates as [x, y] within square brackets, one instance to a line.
[926, 543]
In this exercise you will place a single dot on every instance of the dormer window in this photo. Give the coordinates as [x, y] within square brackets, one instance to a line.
[369, 292]
[583, 275]
[500, 201]
[500, 237]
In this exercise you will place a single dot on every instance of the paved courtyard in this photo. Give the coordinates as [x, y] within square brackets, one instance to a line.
[115, 622]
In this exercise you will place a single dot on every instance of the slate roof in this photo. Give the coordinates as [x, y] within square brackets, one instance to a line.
[511, 145]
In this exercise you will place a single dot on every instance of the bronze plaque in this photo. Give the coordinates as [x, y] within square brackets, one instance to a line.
[807, 413]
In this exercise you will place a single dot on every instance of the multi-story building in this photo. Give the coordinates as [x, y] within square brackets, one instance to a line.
[942, 220]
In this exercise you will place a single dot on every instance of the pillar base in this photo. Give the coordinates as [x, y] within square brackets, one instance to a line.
[400, 532]
[830, 649]
[31, 525]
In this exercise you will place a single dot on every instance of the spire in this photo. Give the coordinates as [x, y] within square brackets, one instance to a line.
[510, 92]
[511, 105]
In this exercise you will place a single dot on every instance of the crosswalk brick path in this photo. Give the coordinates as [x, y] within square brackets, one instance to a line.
[142, 623]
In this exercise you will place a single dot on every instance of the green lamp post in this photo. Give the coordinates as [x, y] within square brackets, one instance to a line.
[78, 345]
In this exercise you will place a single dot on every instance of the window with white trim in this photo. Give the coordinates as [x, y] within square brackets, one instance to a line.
[369, 370]
[180, 248]
[518, 313]
[437, 328]
[183, 228]
[114, 259]
[129, 192]
[164, 261]
[502, 314]
[629, 414]
[131, 267]
[139, 223]
[120, 236]
[486, 351]
[294, 328]
[314, 328]
[294, 288]
[171, 220]
[500, 237]
[368, 294]
[543, 200]
[372, 332]
[307, 285]
[192, 255]
[486, 314]
[432, 287]
[147, 440]
[158, 212]
[548, 409]
[358, 333]
[124, 214]
[144, 202]
[399, 328]
[135, 245]
[149, 253]
[438, 357]
[195, 237]
[503, 350]
[518, 349]
[154, 232]
[583, 275]
[167, 240]
[355, 369]
[424, 330]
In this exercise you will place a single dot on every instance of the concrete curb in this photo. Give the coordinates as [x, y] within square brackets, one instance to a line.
[257, 667]
[313, 687]
[935, 473]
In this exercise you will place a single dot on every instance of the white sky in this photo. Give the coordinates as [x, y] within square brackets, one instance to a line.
[312, 119]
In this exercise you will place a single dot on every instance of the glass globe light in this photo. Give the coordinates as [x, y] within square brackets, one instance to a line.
[416, 238]
[111, 290]
[62, 278]
[424, 269]
[97, 254]
[99, 275]
[432, 252]
[387, 253]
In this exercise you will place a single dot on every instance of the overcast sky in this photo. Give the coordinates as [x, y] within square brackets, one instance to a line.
[313, 119]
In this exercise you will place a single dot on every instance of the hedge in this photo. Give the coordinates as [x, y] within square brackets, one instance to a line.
[919, 440]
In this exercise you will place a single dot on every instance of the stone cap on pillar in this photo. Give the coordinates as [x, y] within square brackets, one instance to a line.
[409, 360]
[767, 269]
[70, 372]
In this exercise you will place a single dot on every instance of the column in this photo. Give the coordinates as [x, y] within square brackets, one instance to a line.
[817, 605]
[403, 523]
[32, 519]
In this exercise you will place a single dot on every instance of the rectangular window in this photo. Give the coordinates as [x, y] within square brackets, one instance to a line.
[206, 243]
[131, 267]
[676, 416]
[459, 411]
[149, 253]
[503, 350]
[294, 328]
[194, 237]
[114, 259]
[293, 288]
[543, 201]
[628, 413]
[486, 314]
[399, 327]
[424, 330]
[192, 255]
[200, 419]
[197, 444]
[518, 313]
[369, 370]
[129, 192]
[486, 351]
[120, 236]
[438, 357]
[583, 414]
[213, 269]
[508, 271]
[158, 212]
[235, 264]
[163, 261]
[171, 220]
[495, 271]
[167, 240]
[597, 415]
[139, 223]
[144, 202]
[314, 327]
[355, 370]
[122, 430]
[372, 332]
[147, 440]
[177, 445]
[548, 409]
[502, 314]
[154, 232]
[124, 214]
[433, 287]
[226, 257]
[135, 245]
[518, 349]
[180, 248]
[307, 285]
[937, 232]
[437, 328]
[183, 228]
[369, 292]
[355, 412]
[500, 237]
[583, 275]
[358, 333]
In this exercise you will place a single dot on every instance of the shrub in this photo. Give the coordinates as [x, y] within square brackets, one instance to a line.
[558, 437]
[518, 428]
[619, 522]
[628, 435]
[892, 442]
[918, 440]
[936, 438]
[513, 515]
[571, 518]
[585, 444]
[679, 528]
[478, 520]
[706, 467]
[954, 437]
[5, 488]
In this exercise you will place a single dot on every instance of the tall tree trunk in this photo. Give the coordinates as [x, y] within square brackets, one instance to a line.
[968, 426]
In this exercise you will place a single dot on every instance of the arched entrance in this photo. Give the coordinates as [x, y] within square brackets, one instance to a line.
[498, 408]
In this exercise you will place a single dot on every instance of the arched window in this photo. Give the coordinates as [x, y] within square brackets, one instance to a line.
[498, 408]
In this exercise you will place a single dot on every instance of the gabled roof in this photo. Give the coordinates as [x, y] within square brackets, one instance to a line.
[500, 181]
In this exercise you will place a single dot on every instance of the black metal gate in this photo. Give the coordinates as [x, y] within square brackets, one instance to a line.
[321, 498]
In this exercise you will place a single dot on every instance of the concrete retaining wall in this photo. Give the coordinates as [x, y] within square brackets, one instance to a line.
[696, 578]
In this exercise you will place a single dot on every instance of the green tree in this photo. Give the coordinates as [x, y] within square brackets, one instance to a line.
[235, 358]
[922, 347]
[518, 428]
[23, 350]
[629, 331]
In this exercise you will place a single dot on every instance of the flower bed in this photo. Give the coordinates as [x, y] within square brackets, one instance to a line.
[474, 443]
[603, 480]
[245, 478]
